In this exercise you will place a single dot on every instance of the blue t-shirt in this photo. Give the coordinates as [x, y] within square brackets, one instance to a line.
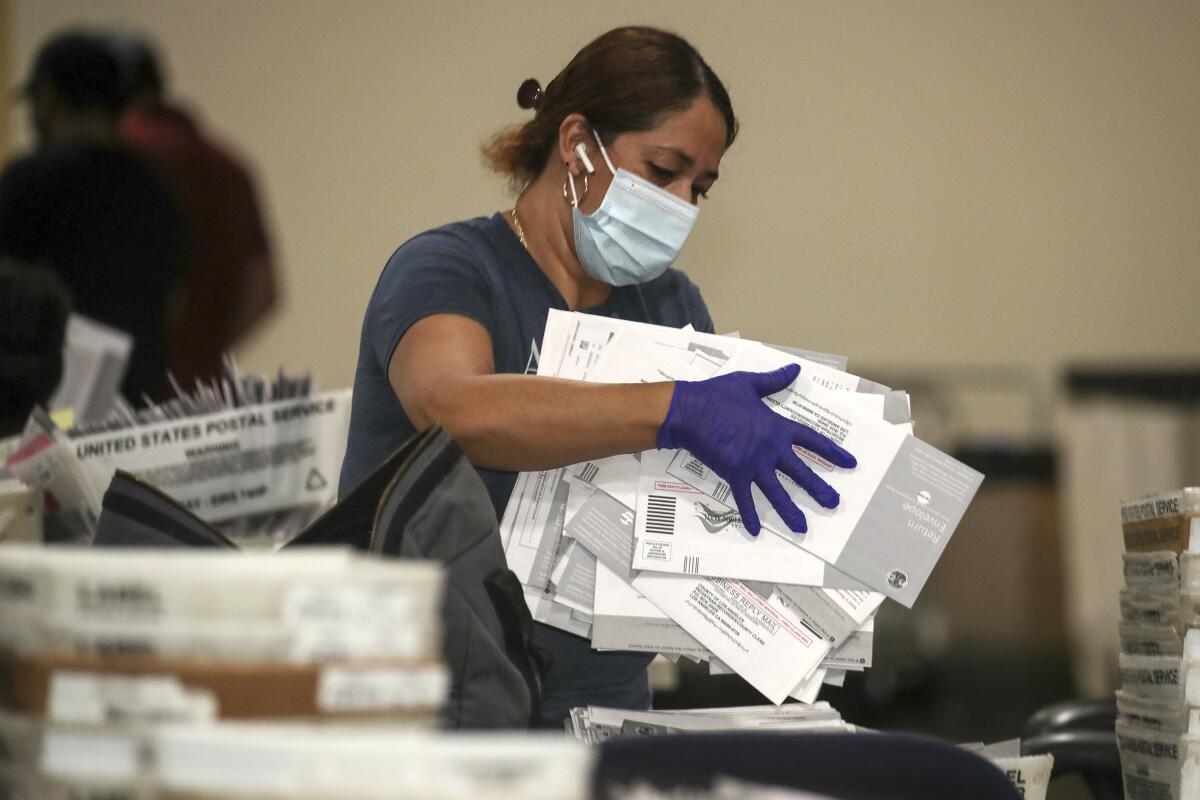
[479, 269]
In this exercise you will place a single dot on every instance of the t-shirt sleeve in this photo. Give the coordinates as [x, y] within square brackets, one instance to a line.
[433, 273]
[698, 310]
[250, 231]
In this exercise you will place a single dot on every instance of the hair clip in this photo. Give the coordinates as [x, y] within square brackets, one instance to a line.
[530, 94]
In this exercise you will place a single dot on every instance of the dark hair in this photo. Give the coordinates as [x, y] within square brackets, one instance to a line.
[626, 80]
[82, 69]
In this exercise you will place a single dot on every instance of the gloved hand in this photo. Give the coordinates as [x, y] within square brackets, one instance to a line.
[724, 422]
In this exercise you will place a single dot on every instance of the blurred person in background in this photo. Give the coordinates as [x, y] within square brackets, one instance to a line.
[33, 323]
[229, 282]
[91, 210]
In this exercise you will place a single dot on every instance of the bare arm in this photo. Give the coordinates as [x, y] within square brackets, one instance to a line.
[442, 372]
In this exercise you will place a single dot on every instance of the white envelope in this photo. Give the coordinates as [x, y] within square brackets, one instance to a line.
[760, 639]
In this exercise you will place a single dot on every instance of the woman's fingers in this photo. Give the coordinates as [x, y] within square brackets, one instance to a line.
[791, 465]
[745, 506]
[823, 446]
[773, 490]
[768, 383]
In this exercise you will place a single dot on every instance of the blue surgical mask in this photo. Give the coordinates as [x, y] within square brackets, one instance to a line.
[635, 234]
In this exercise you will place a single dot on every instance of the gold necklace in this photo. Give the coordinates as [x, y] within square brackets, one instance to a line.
[520, 231]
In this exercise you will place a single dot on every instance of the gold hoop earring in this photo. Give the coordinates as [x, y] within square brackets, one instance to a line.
[567, 194]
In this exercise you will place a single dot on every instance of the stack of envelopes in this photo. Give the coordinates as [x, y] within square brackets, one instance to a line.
[1158, 704]
[647, 552]
[595, 724]
[98, 647]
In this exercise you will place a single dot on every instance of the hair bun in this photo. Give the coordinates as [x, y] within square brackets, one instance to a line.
[530, 94]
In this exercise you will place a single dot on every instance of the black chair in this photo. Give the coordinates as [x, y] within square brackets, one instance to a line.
[1081, 737]
[863, 766]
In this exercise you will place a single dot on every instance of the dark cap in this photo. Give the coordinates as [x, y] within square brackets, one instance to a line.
[141, 68]
[83, 70]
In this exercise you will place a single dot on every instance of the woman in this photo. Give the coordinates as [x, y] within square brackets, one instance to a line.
[622, 145]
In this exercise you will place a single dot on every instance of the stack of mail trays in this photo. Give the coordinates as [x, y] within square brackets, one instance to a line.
[99, 648]
[255, 456]
[1158, 704]
[646, 552]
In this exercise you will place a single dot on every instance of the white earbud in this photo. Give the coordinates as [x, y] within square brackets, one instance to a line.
[583, 156]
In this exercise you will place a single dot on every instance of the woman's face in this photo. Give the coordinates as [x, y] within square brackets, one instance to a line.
[681, 155]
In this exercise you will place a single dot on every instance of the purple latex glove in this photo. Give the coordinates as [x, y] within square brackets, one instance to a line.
[724, 422]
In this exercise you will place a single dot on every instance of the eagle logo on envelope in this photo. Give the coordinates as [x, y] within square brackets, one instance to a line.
[714, 521]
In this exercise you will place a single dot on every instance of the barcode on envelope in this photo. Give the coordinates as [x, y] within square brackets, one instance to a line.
[691, 565]
[588, 473]
[660, 514]
[721, 493]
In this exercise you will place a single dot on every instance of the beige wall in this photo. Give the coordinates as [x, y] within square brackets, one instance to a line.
[6, 73]
[917, 184]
